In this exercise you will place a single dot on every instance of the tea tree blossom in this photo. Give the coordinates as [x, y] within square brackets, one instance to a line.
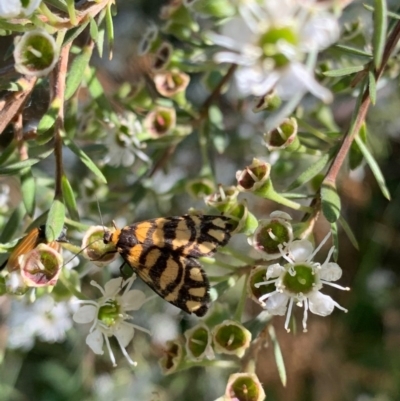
[270, 42]
[14, 8]
[109, 316]
[299, 282]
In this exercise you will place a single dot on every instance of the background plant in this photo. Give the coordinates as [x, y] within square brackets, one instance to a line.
[243, 108]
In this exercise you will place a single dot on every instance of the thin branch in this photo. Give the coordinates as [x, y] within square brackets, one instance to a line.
[13, 102]
[58, 94]
[362, 112]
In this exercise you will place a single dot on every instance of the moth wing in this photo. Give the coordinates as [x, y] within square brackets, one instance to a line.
[190, 235]
[178, 279]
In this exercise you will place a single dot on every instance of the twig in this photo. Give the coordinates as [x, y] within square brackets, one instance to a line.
[362, 112]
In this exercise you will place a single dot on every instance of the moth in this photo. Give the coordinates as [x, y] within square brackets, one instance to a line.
[31, 240]
[164, 253]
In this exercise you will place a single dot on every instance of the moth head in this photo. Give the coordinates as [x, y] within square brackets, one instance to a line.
[107, 236]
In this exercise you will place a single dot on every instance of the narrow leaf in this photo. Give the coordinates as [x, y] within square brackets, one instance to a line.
[75, 73]
[110, 30]
[335, 238]
[7, 152]
[85, 159]
[355, 155]
[55, 220]
[350, 235]
[372, 86]
[352, 50]
[94, 29]
[343, 71]
[14, 168]
[12, 224]
[380, 28]
[218, 289]
[280, 364]
[330, 202]
[310, 173]
[69, 198]
[376, 171]
[28, 190]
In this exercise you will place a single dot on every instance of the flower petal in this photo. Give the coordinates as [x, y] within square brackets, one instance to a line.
[124, 334]
[321, 304]
[330, 272]
[133, 300]
[112, 287]
[301, 250]
[277, 304]
[85, 314]
[95, 341]
[274, 270]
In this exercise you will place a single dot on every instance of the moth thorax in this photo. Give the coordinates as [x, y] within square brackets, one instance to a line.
[107, 237]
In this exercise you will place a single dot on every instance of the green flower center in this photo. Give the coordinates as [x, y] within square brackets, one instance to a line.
[269, 243]
[198, 341]
[269, 40]
[302, 281]
[38, 53]
[231, 337]
[244, 389]
[109, 314]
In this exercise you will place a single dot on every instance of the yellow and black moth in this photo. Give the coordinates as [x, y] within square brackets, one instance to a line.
[164, 253]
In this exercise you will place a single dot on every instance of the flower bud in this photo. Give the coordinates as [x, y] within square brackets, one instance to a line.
[198, 343]
[244, 387]
[270, 102]
[40, 267]
[172, 358]
[95, 249]
[160, 121]
[245, 221]
[35, 53]
[199, 188]
[231, 338]
[273, 235]
[283, 137]
[224, 199]
[254, 178]
[212, 8]
[171, 83]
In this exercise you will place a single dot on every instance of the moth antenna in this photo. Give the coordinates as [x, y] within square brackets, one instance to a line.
[78, 253]
[101, 216]
[114, 225]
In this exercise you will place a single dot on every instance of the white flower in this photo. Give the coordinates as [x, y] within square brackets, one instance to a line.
[108, 316]
[123, 144]
[299, 281]
[270, 42]
[45, 319]
[14, 8]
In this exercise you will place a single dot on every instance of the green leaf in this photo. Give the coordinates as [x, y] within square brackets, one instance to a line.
[71, 11]
[69, 198]
[280, 364]
[311, 172]
[85, 159]
[110, 30]
[47, 122]
[28, 190]
[218, 289]
[330, 202]
[350, 235]
[94, 30]
[7, 152]
[7, 247]
[13, 223]
[372, 86]
[75, 73]
[55, 220]
[13, 168]
[353, 51]
[343, 71]
[355, 155]
[335, 239]
[74, 33]
[380, 29]
[376, 171]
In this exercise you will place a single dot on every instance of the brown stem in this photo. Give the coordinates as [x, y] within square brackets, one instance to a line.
[365, 103]
[19, 137]
[58, 92]
[13, 102]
